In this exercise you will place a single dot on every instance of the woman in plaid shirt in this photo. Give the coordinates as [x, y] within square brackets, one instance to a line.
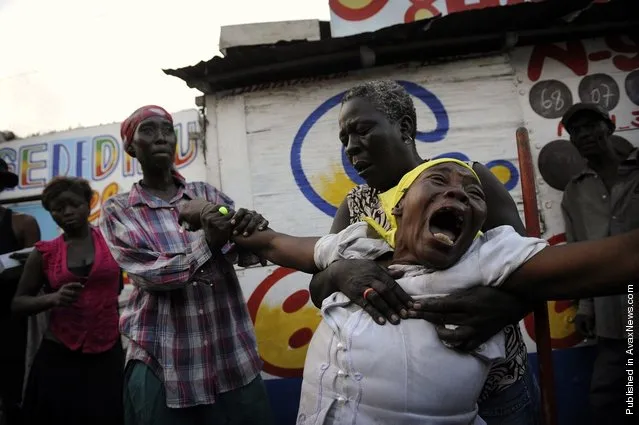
[192, 357]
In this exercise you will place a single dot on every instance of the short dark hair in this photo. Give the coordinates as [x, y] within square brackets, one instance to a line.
[388, 97]
[61, 184]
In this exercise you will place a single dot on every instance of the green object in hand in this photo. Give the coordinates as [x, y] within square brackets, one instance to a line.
[223, 210]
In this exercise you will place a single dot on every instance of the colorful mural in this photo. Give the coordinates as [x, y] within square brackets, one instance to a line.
[92, 153]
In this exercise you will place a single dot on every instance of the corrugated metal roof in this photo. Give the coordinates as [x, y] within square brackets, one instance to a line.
[476, 31]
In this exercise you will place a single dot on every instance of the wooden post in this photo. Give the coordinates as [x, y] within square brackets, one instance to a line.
[540, 314]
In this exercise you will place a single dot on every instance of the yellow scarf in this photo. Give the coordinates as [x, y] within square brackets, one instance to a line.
[391, 197]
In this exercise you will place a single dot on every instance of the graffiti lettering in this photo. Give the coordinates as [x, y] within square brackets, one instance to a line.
[619, 44]
[93, 158]
[98, 199]
[185, 152]
[601, 89]
[550, 98]
[29, 165]
[106, 151]
[575, 58]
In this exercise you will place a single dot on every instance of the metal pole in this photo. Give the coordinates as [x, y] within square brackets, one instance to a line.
[540, 313]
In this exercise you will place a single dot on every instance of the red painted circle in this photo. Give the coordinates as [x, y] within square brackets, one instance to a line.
[253, 305]
[300, 338]
[296, 301]
[350, 14]
[258, 295]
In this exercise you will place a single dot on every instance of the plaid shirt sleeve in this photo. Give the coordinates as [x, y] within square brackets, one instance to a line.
[149, 270]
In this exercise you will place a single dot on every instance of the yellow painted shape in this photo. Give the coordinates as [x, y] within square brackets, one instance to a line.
[333, 187]
[423, 14]
[356, 4]
[274, 327]
[561, 324]
[501, 172]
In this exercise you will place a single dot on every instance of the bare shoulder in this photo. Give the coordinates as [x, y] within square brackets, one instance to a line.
[24, 220]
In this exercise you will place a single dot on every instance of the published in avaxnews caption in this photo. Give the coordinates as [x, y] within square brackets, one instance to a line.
[630, 363]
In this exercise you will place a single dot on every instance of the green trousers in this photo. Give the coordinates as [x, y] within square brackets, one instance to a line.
[145, 403]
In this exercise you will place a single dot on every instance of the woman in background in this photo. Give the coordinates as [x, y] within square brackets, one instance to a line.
[76, 376]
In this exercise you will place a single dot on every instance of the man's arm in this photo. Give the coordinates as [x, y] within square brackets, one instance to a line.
[502, 210]
[579, 270]
[28, 235]
[284, 250]
[585, 317]
[149, 270]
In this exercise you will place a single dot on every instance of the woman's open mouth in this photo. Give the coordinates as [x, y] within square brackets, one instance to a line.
[446, 225]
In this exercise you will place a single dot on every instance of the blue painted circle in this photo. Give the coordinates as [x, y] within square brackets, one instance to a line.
[514, 173]
[296, 156]
[438, 134]
[455, 155]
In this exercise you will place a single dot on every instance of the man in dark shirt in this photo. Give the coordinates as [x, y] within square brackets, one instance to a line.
[601, 201]
[17, 231]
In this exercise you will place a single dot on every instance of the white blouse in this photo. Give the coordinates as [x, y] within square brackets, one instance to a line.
[358, 372]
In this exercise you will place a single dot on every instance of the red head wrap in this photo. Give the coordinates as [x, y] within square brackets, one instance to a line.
[129, 125]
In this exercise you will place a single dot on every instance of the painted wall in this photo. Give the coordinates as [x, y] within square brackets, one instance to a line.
[278, 152]
[96, 154]
[93, 153]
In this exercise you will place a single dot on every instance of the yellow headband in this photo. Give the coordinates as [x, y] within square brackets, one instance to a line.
[391, 197]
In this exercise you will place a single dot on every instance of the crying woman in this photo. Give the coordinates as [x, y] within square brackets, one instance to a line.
[435, 214]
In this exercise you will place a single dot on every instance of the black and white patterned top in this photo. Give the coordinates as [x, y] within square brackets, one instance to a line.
[362, 201]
